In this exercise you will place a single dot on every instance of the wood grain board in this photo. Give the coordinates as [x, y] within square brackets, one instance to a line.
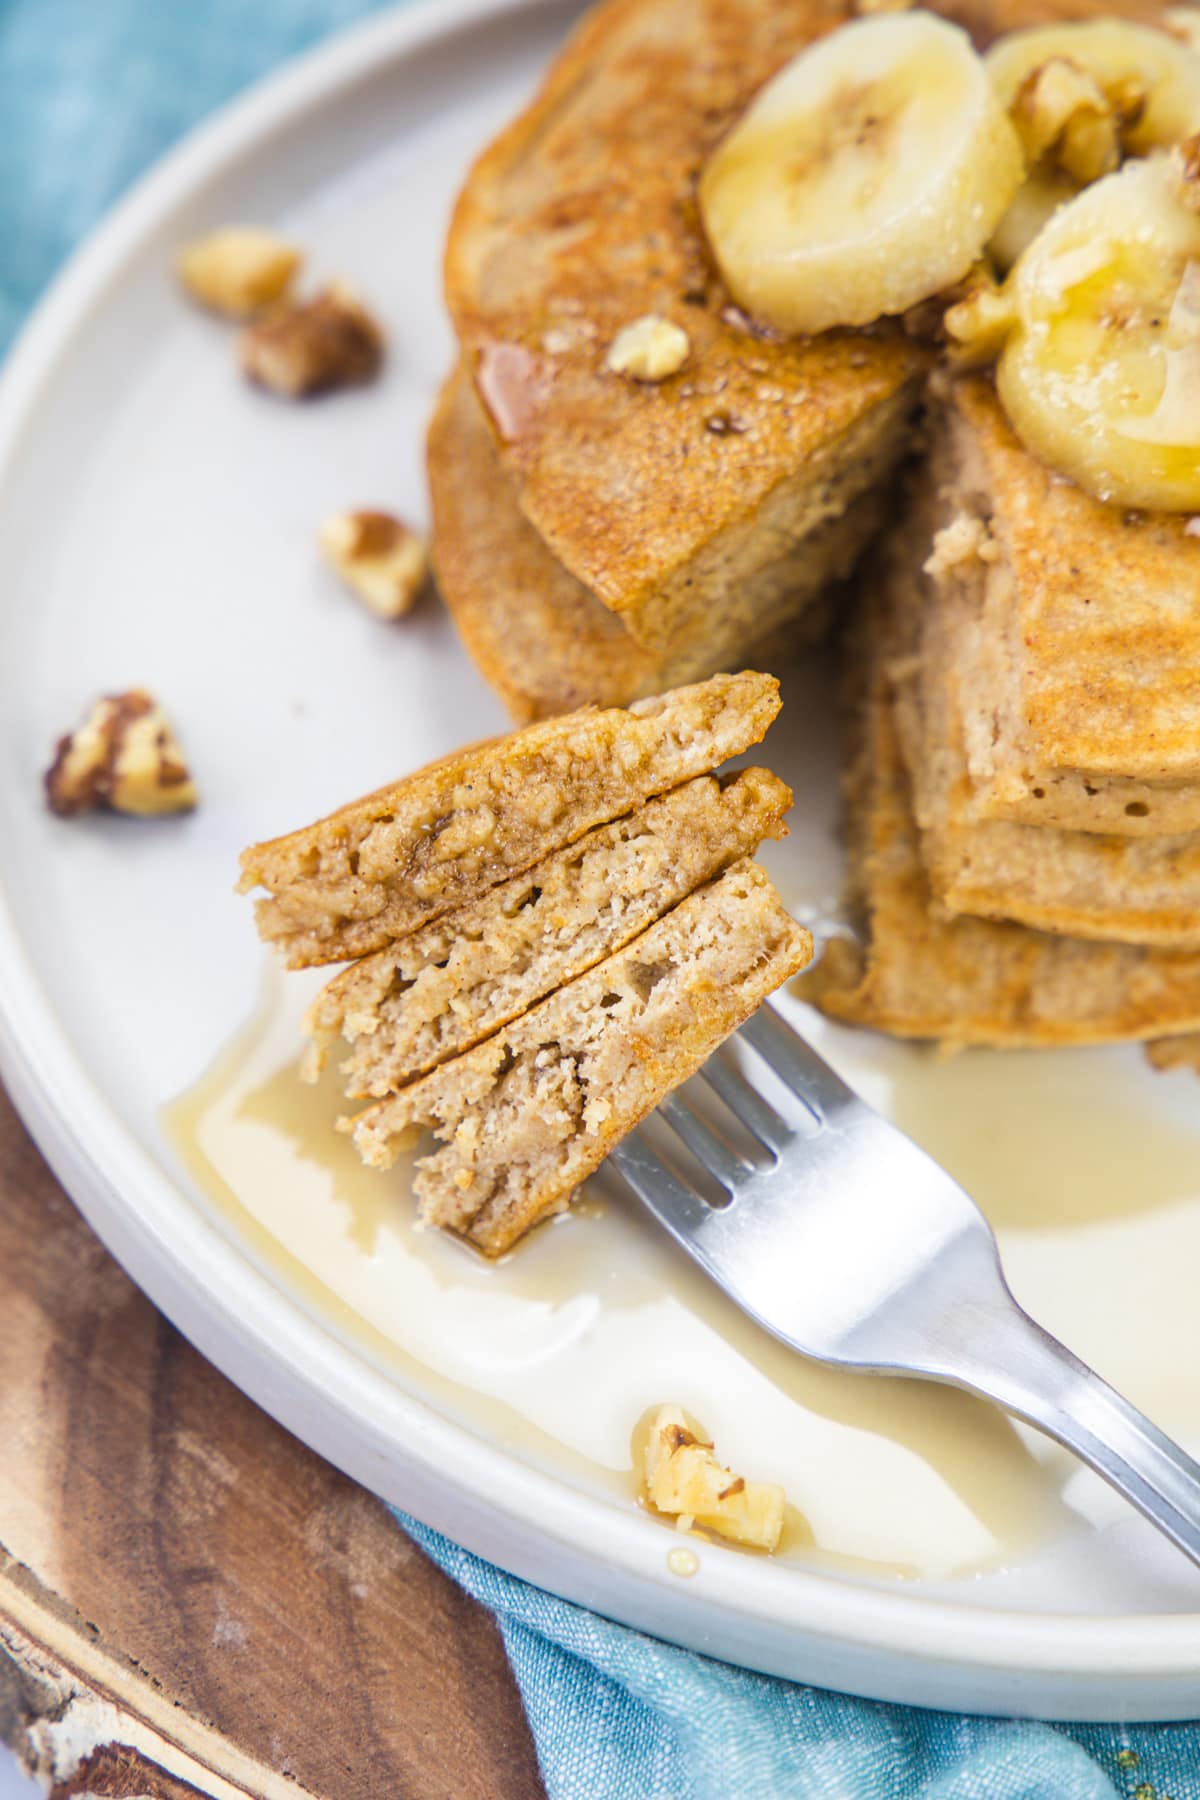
[190, 1601]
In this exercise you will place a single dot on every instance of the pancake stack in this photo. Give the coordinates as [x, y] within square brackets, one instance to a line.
[1024, 794]
[550, 931]
[598, 536]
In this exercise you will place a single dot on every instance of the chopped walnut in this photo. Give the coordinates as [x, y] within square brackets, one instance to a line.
[1063, 114]
[124, 756]
[650, 349]
[1185, 172]
[238, 270]
[310, 347]
[683, 1479]
[978, 323]
[965, 539]
[379, 557]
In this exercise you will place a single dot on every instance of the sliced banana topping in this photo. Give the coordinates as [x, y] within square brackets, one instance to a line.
[865, 177]
[1101, 376]
[1084, 96]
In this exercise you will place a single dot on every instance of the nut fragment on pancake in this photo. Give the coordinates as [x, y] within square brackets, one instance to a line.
[238, 270]
[978, 323]
[418, 1002]
[123, 757]
[528, 1115]
[650, 349]
[1063, 115]
[379, 557]
[313, 346]
[962, 540]
[682, 1478]
[390, 862]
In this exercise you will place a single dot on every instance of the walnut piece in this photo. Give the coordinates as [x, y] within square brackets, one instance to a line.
[238, 270]
[1062, 114]
[379, 557]
[650, 349]
[979, 322]
[124, 756]
[313, 346]
[683, 1479]
[964, 540]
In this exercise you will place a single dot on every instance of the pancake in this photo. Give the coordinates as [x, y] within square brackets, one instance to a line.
[1143, 890]
[969, 981]
[444, 988]
[388, 863]
[666, 501]
[542, 640]
[525, 1117]
[1075, 647]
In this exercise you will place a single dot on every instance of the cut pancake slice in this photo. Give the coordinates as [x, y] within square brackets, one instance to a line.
[454, 982]
[390, 862]
[971, 981]
[526, 1116]
[543, 640]
[1143, 890]
[1073, 630]
[667, 500]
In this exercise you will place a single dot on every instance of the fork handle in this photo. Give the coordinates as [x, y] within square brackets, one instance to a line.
[1041, 1381]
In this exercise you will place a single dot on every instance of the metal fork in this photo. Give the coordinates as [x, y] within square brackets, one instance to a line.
[853, 1246]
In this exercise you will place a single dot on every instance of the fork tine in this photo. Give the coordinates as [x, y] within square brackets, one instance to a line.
[746, 1104]
[680, 1207]
[704, 1144]
[808, 1075]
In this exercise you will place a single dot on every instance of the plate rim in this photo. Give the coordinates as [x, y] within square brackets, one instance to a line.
[761, 1615]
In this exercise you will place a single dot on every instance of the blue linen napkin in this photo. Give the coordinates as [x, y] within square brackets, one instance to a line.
[90, 92]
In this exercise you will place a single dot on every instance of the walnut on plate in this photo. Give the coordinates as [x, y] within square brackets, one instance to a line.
[682, 1478]
[125, 757]
[313, 346]
[377, 555]
[1062, 113]
[238, 270]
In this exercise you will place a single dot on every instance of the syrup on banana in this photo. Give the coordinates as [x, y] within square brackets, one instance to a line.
[1101, 374]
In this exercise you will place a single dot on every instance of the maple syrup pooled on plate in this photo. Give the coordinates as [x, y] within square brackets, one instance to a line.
[1086, 1162]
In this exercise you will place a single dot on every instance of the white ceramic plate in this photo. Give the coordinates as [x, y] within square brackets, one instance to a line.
[156, 526]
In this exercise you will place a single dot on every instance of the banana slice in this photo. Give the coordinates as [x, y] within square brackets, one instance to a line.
[1034, 205]
[1101, 377]
[1145, 96]
[865, 177]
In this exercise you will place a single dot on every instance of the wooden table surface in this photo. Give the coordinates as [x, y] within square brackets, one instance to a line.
[190, 1601]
